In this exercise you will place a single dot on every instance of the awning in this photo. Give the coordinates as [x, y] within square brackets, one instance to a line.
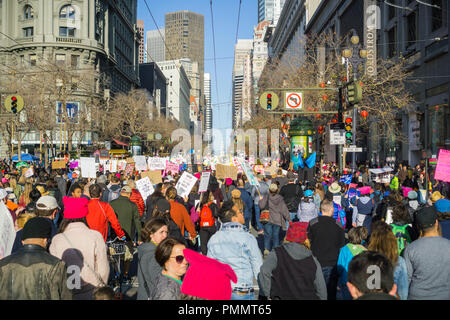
[120, 143]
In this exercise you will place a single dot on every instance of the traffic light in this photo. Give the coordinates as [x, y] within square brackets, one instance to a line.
[14, 104]
[269, 101]
[348, 130]
[354, 93]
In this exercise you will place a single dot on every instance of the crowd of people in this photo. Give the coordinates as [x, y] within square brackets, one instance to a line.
[296, 235]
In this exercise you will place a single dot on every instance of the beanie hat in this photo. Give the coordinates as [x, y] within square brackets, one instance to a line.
[442, 205]
[228, 181]
[235, 193]
[37, 227]
[215, 286]
[308, 193]
[426, 217]
[412, 195]
[365, 190]
[75, 208]
[198, 175]
[297, 232]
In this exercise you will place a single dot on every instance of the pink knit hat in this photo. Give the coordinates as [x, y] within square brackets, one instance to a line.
[207, 278]
[75, 208]
[198, 175]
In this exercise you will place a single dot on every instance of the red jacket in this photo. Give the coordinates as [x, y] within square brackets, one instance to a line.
[137, 198]
[99, 213]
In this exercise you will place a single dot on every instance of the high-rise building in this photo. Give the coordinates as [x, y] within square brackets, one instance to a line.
[156, 50]
[208, 118]
[242, 50]
[192, 71]
[185, 38]
[178, 92]
[140, 31]
[270, 10]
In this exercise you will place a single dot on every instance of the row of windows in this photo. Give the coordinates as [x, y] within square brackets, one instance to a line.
[59, 58]
[66, 12]
[63, 32]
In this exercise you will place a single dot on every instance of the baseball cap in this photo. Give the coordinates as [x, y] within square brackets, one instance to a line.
[38, 227]
[426, 217]
[126, 189]
[47, 203]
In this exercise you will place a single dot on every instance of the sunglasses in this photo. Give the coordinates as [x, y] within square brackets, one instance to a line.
[179, 259]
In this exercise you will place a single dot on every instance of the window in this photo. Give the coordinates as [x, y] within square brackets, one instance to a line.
[60, 59]
[392, 44]
[32, 59]
[28, 12]
[67, 12]
[27, 32]
[436, 15]
[411, 21]
[66, 32]
[75, 60]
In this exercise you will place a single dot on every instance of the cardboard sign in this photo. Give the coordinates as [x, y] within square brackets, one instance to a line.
[156, 163]
[7, 231]
[154, 176]
[58, 164]
[443, 166]
[185, 184]
[204, 181]
[88, 168]
[223, 172]
[140, 163]
[145, 187]
[130, 160]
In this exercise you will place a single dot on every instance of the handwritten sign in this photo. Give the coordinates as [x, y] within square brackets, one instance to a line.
[154, 176]
[204, 181]
[172, 167]
[88, 168]
[140, 163]
[249, 173]
[223, 172]
[29, 173]
[58, 164]
[443, 166]
[156, 163]
[145, 187]
[185, 184]
[7, 231]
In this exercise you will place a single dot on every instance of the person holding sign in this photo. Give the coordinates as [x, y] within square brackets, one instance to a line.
[208, 216]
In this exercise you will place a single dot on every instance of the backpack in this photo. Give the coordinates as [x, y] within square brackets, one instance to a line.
[206, 217]
[113, 195]
[339, 215]
[195, 214]
[402, 236]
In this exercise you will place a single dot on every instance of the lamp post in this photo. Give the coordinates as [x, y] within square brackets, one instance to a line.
[356, 56]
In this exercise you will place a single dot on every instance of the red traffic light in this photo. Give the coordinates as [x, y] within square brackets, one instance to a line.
[269, 96]
[348, 120]
[13, 98]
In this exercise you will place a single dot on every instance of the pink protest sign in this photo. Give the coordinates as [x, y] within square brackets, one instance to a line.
[405, 191]
[443, 166]
[172, 167]
[74, 164]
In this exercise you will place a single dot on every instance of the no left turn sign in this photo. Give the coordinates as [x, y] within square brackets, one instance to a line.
[294, 100]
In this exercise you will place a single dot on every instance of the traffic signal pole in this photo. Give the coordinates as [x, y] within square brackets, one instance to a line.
[340, 120]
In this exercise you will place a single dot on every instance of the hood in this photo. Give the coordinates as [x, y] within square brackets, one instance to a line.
[365, 199]
[308, 205]
[276, 199]
[297, 251]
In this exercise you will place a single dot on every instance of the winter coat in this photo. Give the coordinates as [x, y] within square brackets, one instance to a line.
[292, 194]
[86, 249]
[263, 190]
[279, 212]
[137, 198]
[33, 274]
[148, 269]
[165, 289]
[99, 214]
[248, 203]
[181, 217]
[128, 215]
[307, 211]
[227, 195]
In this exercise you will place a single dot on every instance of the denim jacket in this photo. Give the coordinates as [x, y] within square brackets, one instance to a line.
[401, 279]
[235, 246]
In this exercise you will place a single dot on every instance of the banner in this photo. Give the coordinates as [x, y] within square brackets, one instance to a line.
[156, 163]
[7, 231]
[58, 164]
[185, 184]
[140, 163]
[88, 169]
[223, 172]
[145, 187]
[443, 166]
[204, 181]
[154, 176]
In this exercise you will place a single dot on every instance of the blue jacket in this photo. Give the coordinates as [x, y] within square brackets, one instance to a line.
[235, 246]
[345, 256]
[248, 202]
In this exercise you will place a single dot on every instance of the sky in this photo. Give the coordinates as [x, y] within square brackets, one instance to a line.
[225, 17]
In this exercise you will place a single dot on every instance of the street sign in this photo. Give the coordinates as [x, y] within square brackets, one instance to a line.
[337, 133]
[269, 100]
[14, 103]
[293, 100]
[353, 149]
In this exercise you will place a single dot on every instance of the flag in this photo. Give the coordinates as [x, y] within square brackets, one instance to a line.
[347, 178]
[300, 162]
[311, 161]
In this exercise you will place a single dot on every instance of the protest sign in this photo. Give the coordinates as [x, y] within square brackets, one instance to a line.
[204, 181]
[185, 184]
[156, 163]
[249, 173]
[88, 168]
[145, 187]
[58, 164]
[140, 163]
[223, 172]
[113, 165]
[73, 165]
[443, 166]
[130, 160]
[172, 167]
[7, 231]
[121, 165]
[154, 176]
[129, 169]
[29, 173]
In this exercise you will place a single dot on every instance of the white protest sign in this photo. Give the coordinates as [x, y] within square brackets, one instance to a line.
[185, 184]
[145, 187]
[88, 168]
[7, 231]
[156, 163]
[249, 173]
[113, 165]
[140, 163]
[204, 181]
[29, 173]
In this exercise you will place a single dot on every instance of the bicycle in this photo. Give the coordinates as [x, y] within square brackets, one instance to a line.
[116, 249]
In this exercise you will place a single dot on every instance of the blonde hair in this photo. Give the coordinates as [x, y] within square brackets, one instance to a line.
[383, 240]
[13, 182]
[238, 203]
[23, 218]
[131, 183]
[26, 192]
